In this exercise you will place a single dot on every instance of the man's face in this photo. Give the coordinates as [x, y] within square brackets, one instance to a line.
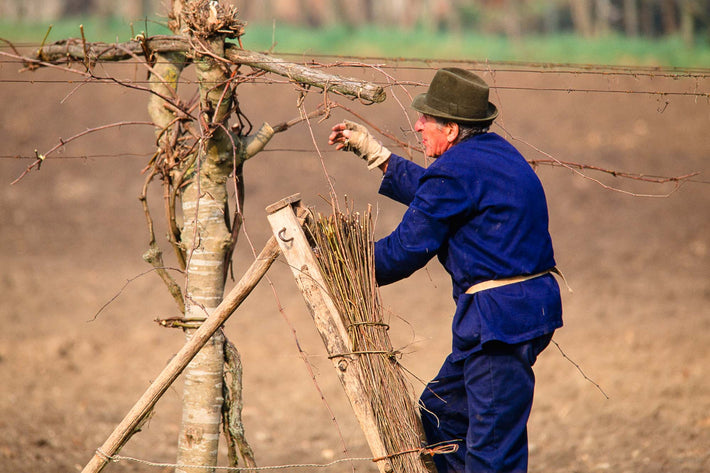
[435, 137]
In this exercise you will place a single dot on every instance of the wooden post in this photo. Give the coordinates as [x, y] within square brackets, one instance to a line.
[155, 391]
[294, 245]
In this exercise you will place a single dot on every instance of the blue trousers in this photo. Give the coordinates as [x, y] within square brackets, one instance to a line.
[483, 403]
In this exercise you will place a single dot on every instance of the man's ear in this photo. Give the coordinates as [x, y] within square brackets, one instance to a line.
[452, 131]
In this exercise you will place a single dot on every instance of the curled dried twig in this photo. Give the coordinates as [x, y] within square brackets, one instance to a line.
[62, 142]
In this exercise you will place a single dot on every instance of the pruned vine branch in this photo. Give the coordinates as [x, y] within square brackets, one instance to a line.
[615, 173]
[550, 161]
[40, 157]
[66, 51]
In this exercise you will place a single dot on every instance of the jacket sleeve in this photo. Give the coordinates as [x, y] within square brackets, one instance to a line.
[401, 179]
[438, 203]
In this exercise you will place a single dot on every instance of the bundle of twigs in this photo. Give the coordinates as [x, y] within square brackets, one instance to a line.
[344, 248]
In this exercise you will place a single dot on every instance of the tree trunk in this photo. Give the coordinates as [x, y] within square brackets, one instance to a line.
[349, 12]
[687, 23]
[206, 239]
[582, 17]
[202, 408]
[670, 18]
[603, 17]
[646, 18]
[631, 18]
[512, 21]
[205, 242]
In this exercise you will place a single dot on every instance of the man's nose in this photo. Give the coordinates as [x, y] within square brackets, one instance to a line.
[419, 125]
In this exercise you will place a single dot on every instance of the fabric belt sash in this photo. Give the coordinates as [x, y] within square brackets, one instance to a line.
[493, 283]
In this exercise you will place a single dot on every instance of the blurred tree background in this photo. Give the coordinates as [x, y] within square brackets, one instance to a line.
[587, 18]
[672, 33]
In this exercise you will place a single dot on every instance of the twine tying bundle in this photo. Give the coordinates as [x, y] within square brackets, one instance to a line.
[431, 451]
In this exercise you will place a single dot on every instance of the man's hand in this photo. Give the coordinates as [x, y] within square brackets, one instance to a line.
[351, 136]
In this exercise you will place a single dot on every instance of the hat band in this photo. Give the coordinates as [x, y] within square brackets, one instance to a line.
[455, 109]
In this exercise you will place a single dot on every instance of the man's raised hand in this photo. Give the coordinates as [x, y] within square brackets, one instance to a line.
[351, 136]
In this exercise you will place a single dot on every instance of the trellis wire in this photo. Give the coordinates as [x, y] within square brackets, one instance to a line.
[566, 90]
[407, 63]
[119, 458]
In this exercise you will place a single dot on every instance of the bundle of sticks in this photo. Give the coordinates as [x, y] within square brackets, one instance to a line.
[344, 248]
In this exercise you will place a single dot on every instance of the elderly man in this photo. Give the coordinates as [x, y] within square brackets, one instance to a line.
[480, 208]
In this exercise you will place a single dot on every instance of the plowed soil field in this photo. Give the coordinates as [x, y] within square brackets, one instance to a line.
[79, 345]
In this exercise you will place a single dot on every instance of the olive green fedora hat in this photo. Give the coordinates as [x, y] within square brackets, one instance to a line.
[458, 95]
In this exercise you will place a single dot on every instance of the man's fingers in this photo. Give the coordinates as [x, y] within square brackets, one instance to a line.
[335, 137]
[339, 127]
[338, 135]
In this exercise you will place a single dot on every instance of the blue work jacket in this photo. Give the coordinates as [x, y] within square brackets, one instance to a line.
[481, 209]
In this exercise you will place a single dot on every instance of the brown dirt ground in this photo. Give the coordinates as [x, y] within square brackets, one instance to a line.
[637, 323]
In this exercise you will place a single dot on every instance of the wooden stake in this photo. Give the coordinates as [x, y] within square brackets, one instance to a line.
[147, 401]
[300, 258]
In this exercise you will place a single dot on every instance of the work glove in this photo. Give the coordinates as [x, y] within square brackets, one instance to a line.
[351, 136]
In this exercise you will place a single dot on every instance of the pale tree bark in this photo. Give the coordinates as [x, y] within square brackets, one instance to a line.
[206, 241]
[164, 76]
[206, 238]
